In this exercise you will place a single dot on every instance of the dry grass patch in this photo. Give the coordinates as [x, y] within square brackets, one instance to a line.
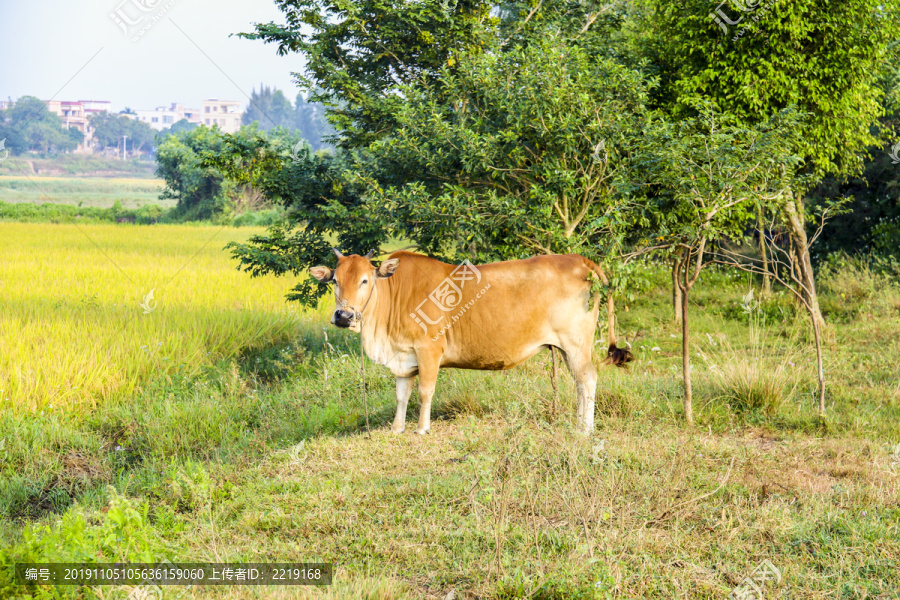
[496, 509]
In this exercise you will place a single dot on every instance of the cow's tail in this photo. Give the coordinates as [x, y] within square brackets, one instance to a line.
[614, 355]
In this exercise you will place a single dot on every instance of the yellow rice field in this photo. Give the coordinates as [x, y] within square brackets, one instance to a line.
[77, 324]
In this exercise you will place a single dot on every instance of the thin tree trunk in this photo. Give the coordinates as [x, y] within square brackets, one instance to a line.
[804, 263]
[820, 370]
[687, 277]
[676, 293]
[686, 361]
[553, 374]
[611, 319]
[767, 279]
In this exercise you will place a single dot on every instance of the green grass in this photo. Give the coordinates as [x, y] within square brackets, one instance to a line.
[81, 165]
[262, 455]
[88, 192]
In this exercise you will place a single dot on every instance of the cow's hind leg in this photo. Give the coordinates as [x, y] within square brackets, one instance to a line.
[428, 374]
[578, 357]
[404, 389]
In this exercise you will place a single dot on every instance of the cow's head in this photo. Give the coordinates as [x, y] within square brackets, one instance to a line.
[354, 282]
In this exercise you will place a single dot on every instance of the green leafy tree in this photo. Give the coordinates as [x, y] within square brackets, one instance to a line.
[268, 108]
[361, 57]
[141, 135]
[310, 121]
[826, 58]
[709, 175]
[519, 153]
[112, 130]
[28, 125]
[201, 191]
[177, 127]
[359, 53]
[319, 204]
[871, 221]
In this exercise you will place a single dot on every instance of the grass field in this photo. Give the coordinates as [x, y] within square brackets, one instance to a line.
[258, 451]
[99, 192]
[76, 165]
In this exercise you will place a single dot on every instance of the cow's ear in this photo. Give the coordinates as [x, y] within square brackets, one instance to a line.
[388, 267]
[323, 274]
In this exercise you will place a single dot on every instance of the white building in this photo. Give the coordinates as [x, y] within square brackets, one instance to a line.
[162, 118]
[224, 113]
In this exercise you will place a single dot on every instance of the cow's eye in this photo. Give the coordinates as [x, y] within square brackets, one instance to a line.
[364, 282]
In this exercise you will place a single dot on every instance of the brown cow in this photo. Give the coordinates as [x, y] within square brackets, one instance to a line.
[417, 314]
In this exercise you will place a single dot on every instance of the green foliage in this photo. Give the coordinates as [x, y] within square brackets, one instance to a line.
[110, 131]
[358, 53]
[708, 175]
[66, 213]
[177, 127]
[201, 192]
[318, 203]
[825, 58]
[515, 153]
[268, 108]
[28, 125]
[122, 532]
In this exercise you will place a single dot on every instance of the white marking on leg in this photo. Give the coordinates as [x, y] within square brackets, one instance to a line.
[404, 389]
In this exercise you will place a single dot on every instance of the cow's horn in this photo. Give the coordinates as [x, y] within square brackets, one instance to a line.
[337, 253]
[370, 254]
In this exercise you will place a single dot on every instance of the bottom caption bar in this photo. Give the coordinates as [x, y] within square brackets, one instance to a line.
[168, 573]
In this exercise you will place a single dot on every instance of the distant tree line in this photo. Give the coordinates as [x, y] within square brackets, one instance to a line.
[29, 126]
[270, 108]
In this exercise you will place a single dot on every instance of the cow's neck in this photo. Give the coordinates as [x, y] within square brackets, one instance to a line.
[372, 323]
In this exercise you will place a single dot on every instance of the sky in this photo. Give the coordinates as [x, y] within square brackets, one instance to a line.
[139, 53]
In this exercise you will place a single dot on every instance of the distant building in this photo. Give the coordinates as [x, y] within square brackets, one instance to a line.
[224, 113]
[162, 118]
[76, 113]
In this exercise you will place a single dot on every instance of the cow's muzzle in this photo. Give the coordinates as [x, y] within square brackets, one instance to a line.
[343, 318]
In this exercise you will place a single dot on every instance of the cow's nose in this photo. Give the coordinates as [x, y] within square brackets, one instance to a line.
[342, 318]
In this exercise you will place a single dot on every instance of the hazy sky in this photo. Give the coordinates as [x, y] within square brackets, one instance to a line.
[47, 48]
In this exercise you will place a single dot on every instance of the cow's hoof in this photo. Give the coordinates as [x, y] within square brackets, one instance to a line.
[422, 431]
[398, 430]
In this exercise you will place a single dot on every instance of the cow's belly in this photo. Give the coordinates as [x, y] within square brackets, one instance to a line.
[488, 356]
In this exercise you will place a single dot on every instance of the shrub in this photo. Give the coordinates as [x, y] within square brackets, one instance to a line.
[852, 285]
[121, 532]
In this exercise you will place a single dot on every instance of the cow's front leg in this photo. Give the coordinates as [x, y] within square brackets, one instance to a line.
[428, 374]
[404, 389]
